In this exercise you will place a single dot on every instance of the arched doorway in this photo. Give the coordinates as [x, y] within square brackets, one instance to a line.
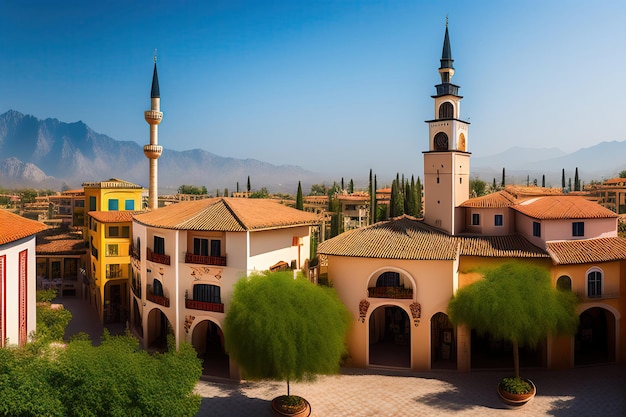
[488, 352]
[208, 340]
[158, 329]
[442, 342]
[390, 337]
[595, 338]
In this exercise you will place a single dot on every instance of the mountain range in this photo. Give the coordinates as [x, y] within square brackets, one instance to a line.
[53, 154]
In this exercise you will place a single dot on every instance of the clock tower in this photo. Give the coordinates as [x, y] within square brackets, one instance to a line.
[447, 161]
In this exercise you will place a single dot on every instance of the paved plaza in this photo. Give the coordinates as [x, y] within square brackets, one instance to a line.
[582, 392]
[595, 391]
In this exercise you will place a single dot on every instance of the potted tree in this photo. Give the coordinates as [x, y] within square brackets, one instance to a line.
[284, 328]
[515, 302]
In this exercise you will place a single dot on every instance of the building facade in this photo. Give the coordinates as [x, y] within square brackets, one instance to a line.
[397, 277]
[17, 278]
[186, 258]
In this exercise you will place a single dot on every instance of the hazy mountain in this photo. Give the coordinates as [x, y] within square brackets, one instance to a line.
[46, 153]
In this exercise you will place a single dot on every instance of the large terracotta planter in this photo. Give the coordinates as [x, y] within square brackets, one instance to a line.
[279, 410]
[517, 400]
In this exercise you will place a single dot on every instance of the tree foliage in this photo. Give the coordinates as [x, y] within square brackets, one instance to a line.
[192, 189]
[622, 174]
[299, 198]
[477, 187]
[116, 378]
[515, 302]
[282, 328]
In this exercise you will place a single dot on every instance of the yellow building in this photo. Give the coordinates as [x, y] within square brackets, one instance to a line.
[110, 205]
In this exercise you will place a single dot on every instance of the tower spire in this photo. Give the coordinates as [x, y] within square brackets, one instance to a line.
[153, 150]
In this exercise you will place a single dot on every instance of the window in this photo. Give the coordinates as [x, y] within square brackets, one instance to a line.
[498, 220]
[159, 245]
[446, 110]
[79, 203]
[388, 279]
[537, 229]
[475, 219]
[207, 293]
[94, 251]
[125, 231]
[441, 141]
[578, 229]
[200, 246]
[129, 205]
[216, 248]
[113, 204]
[594, 284]
[114, 271]
[92, 203]
[564, 283]
[157, 288]
[114, 231]
[112, 250]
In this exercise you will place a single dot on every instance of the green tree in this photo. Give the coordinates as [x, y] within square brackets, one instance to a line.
[622, 174]
[563, 179]
[299, 199]
[372, 192]
[418, 191]
[226, 194]
[576, 180]
[515, 302]
[503, 183]
[543, 181]
[493, 185]
[319, 189]
[262, 193]
[351, 186]
[286, 329]
[248, 187]
[203, 190]
[191, 189]
[477, 187]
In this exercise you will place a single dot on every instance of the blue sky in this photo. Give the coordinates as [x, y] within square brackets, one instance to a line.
[337, 87]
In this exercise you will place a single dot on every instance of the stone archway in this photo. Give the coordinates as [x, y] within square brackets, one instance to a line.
[158, 329]
[595, 338]
[390, 337]
[442, 342]
[208, 340]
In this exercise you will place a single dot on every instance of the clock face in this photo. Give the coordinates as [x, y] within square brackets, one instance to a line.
[441, 142]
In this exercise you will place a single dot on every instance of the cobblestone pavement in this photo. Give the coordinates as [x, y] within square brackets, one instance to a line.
[582, 392]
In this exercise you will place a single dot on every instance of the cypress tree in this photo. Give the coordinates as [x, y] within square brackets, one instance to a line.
[249, 188]
[543, 181]
[569, 187]
[217, 192]
[493, 186]
[372, 200]
[237, 186]
[375, 200]
[392, 200]
[299, 199]
[563, 179]
[576, 181]
[351, 186]
[503, 183]
[342, 187]
[225, 192]
[418, 191]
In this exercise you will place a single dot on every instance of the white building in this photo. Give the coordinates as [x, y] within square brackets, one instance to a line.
[18, 281]
[186, 258]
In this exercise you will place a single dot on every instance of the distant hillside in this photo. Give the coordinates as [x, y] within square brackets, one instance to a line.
[47, 153]
[604, 160]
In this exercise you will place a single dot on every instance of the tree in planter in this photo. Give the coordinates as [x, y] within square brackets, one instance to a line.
[282, 328]
[515, 302]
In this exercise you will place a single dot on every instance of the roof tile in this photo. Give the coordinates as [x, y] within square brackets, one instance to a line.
[14, 227]
[587, 250]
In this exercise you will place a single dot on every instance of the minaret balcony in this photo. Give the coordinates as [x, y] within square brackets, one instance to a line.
[153, 151]
[153, 117]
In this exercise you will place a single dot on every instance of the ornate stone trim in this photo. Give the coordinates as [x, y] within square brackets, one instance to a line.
[416, 312]
[363, 306]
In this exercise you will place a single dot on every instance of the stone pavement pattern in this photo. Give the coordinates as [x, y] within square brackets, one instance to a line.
[583, 392]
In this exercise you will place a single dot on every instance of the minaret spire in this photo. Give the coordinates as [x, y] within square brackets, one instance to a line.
[153, 150]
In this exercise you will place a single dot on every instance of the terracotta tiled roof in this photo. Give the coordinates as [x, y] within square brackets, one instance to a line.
[14, 227]
[54, 242]
[113, 216]
[519, 191]
[615, 181]
[587, 250]
[493, 200]
[226, 214]
[404, 237]
[563, 207]
[511, 246]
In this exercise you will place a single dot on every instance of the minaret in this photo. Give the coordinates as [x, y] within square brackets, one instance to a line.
[447, 162]
[153, 150]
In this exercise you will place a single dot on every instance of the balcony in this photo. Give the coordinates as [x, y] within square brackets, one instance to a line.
[205, 306]
[390, 292]
[604, 296]
[158, 258]
[190, 258]
[158, 299]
